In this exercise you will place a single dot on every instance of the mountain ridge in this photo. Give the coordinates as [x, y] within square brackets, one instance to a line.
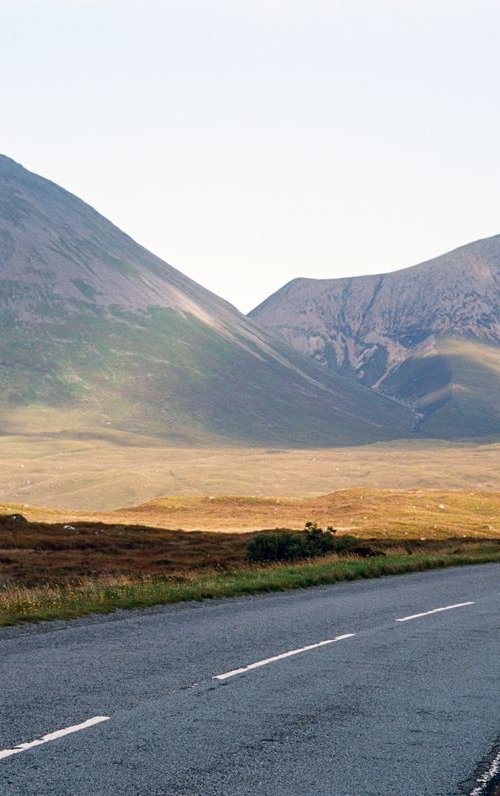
[95, 331]
[390, 330]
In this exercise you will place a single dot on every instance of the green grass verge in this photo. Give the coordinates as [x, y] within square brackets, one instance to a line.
[18, 604]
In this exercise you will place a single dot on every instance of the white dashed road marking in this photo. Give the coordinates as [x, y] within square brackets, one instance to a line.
[487, 778]
[23, 747]
[264, 662]
[434, 611]
[52, 736]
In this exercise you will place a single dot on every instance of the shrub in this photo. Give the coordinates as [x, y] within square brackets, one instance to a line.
[318, 541]
[277, 546]
[290, 545]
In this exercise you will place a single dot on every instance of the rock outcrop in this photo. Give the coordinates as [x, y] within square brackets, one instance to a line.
[428, 336]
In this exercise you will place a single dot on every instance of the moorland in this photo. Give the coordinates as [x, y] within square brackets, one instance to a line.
[192, 543]
[100, 474]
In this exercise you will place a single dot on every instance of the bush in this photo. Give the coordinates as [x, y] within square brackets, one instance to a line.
[318, 541]
[277, 546]
[290, 545]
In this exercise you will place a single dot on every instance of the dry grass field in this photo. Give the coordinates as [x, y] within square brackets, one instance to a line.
[126, 502]
[364, 512]
[374, 513]
[61, 563]
[34, 554]
[104, 474]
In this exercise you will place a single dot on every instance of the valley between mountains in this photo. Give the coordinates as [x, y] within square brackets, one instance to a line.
[133, 397]
[99, 335]
[249, 550]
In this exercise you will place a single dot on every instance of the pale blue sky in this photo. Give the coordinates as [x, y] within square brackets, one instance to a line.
[251, 141]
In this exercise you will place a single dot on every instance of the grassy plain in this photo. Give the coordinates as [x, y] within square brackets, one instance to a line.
[75, 563]
[419, 503]
[377, 513]
[34, 553]
[103, 474]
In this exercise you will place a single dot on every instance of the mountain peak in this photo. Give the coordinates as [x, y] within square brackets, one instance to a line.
[388, 330]
[98, 333]
[8, 164]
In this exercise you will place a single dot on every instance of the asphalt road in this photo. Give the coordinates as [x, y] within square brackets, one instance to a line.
[400, 708]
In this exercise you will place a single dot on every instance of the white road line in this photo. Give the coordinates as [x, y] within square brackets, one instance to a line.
[434, 611]
[22, 747]
[486, 778]
[264, 662]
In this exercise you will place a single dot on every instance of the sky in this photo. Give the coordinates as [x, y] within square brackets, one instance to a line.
[249, 142]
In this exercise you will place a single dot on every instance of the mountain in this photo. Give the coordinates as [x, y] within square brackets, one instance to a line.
[99, 336]
[428, 336]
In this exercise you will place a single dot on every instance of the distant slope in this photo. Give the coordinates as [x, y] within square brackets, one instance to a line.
[96, 334]
[428, 336]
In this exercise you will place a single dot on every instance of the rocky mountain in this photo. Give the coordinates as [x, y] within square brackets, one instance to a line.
[428, 336]
[98, 335]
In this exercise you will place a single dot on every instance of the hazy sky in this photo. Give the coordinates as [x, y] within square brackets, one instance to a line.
[247, 142]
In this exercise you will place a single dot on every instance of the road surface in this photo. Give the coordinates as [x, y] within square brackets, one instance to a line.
[360, 688]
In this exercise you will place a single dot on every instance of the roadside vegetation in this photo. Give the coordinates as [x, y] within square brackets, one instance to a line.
[291, 546]
[65, 571]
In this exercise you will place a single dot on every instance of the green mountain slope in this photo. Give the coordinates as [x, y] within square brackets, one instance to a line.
[428, 336]
[455, 388]
[97, 335]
